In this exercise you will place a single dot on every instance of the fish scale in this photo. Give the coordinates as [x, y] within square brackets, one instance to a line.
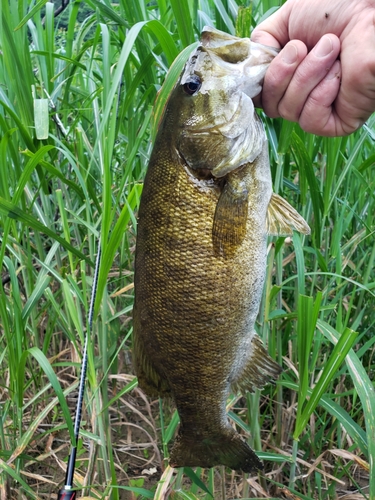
[200, 266]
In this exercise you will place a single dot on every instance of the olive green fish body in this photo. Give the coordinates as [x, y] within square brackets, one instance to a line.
[199, 274]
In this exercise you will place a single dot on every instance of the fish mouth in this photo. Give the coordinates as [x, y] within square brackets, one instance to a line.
[222, 131]
[239, 55]
[224, 61]
[230, 44]
[247, 69]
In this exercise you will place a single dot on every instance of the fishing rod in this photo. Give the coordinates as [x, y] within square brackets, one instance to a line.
[67, 492]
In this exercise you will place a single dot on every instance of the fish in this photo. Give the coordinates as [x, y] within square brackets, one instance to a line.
[206, 210]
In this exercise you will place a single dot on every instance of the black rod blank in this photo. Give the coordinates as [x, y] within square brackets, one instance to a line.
[67, 493]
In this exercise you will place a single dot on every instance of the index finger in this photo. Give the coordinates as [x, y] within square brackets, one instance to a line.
[279, 76]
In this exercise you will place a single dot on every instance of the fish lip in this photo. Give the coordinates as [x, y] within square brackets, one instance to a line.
[232, 71]
[248, 65]
[214, 38]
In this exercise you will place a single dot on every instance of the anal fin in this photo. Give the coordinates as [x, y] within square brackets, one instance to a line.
[229, 226]
[282, 218]
[259, 369]
[149, 379]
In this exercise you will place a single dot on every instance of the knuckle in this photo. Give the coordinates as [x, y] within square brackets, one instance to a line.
[287, 112]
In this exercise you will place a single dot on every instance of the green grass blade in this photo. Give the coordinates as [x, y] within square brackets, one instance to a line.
[305, 332]
[73, 309]
[171, 429]
[227, 22]
[47, 368]
[169, 83]
[353, 429]
[300, 263]
[111, 247]
[184, 21]
[10, 210]
[11, 472]
[184, 495]
[31, 13]
[366, 393]
[341, 349]
[196, 480]
[362, 136]
[306, 168]
[165, 39]
[32, 301]
[33, 426]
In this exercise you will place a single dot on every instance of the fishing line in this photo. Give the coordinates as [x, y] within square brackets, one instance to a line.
[67, 493]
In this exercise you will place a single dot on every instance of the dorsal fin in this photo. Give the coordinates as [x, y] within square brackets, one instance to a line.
[282, 218]
[259, 369]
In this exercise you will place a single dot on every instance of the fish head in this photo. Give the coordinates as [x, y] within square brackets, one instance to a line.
[218, 129]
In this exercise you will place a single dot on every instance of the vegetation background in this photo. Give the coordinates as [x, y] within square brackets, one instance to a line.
[76, 96]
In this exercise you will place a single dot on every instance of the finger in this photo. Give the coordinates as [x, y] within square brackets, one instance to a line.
[279, 75]
[274, 31]
[318, 115]
[356, 99]
[307, 76]
[265, 38]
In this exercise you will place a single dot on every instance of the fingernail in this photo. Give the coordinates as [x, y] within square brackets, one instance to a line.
[324, 47]
[290, 54]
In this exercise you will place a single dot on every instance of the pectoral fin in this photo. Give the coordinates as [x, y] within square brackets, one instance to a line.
[229, 227]
[282, 218]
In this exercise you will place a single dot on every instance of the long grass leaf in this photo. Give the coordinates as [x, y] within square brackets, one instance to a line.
[33, 426]
[33, 300]
[11, 472]
[10, 210]
[306, 168]
[182, 15]
[366, 393]
[349, 163]
[165, 39]
[353, 429]
[227, 22]
[341, 349]
[31, 13]
[196, 480]
[47, 368]
[112, 246]
[169, 83]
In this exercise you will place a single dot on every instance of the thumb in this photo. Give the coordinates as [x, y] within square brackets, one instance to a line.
[261, 36]
[274, 30]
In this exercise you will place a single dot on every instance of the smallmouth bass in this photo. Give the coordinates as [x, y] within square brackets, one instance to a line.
[206, 209]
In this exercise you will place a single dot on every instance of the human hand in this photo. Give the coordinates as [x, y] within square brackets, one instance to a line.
[302, 83]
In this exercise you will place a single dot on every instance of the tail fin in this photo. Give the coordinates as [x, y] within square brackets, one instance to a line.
[226, 448]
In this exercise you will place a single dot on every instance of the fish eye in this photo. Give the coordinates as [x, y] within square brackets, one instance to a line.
[192, 85]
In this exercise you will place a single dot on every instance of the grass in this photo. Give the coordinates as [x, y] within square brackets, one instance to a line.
[61, 195]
